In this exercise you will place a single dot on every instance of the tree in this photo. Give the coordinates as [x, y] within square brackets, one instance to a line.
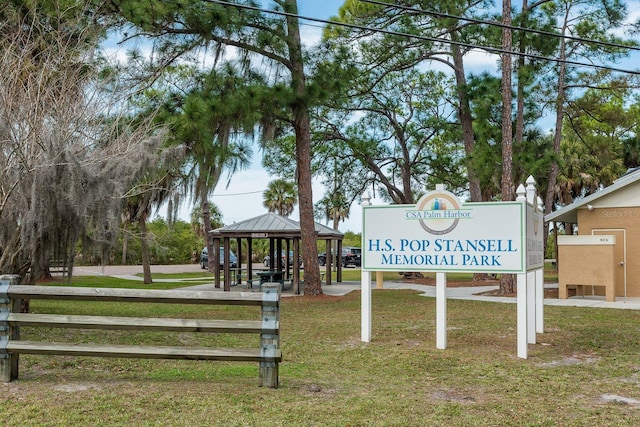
[301, 125]
[151, 191]
[631, 146]
[69, 153]
[335, 208]
[196, 219]
[333, 165]
[531, 155]
[532, 16]
[508, 190]
[584, 20]
[439, 39]
[280, 197]
[592, 148]
[169, 243]
[403, 139]
[507, 186]
[206, 112]
[183, 29]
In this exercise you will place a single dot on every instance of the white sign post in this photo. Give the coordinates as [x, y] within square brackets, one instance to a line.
[365, 294]
[441, 311]
[535, 261]
[441, 234]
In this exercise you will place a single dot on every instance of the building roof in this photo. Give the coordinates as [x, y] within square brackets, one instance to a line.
[569, 213]
[273, 225]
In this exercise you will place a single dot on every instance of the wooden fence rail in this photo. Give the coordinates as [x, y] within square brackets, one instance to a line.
[268, 355]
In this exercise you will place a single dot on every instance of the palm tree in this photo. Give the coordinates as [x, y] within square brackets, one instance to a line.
[210, 164]
[336, 208]
[211, 121]
[196, 219]
[280, 197]
[151, 191]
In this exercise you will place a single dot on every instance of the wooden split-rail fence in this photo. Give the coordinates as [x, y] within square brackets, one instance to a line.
[268, 354]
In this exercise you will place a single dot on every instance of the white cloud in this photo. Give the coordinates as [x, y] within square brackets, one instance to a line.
[310, 34]
[478, 61]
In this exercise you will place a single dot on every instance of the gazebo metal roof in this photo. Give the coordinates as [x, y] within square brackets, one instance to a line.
[272, 225]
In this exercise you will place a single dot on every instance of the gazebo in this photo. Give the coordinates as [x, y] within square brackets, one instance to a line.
[280, 231]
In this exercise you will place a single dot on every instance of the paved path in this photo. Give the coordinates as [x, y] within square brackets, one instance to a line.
[338, 289]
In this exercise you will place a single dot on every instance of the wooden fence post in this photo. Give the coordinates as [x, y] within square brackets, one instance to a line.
[269, 343]
[8, 362]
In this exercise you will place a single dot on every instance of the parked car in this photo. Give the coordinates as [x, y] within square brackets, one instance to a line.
[350, 256]
[204, 258]
[267, 259]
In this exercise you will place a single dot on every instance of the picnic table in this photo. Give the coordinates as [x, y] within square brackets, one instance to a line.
[271, 276]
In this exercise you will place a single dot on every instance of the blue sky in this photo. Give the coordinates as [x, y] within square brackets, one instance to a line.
[319, 8]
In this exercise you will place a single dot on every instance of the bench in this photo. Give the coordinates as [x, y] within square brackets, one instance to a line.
[268, 354]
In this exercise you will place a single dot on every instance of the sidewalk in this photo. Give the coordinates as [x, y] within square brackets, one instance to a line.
[339, 289]
[471, 293]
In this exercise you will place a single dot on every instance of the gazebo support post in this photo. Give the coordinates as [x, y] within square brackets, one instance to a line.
[272, 244]
[278, 254]
[249, 262]
[287, 259]
[339, 262]
[215, 257]
[239, 261]
[296, 266]
[329, 263]
[227, 265]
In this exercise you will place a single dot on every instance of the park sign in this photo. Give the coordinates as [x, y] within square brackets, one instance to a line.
[439, 233]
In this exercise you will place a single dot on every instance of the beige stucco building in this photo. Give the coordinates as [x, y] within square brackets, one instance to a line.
[613, 211]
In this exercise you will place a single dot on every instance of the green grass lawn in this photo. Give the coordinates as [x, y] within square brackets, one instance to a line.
[584, 371]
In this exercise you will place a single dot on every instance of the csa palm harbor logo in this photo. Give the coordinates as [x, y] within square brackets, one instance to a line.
[438, 212]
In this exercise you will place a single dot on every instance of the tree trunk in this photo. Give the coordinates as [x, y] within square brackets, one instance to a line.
[144, 249]
[519, 134]
[334, 243]
[506, 280]
[550, 197]
[307, 222]
[466, 122]
[206, 221]
[301, 125]
[125, 242]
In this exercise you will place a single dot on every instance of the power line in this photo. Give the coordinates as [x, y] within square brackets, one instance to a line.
[501, 25]
[489, 49]
[238, 194]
